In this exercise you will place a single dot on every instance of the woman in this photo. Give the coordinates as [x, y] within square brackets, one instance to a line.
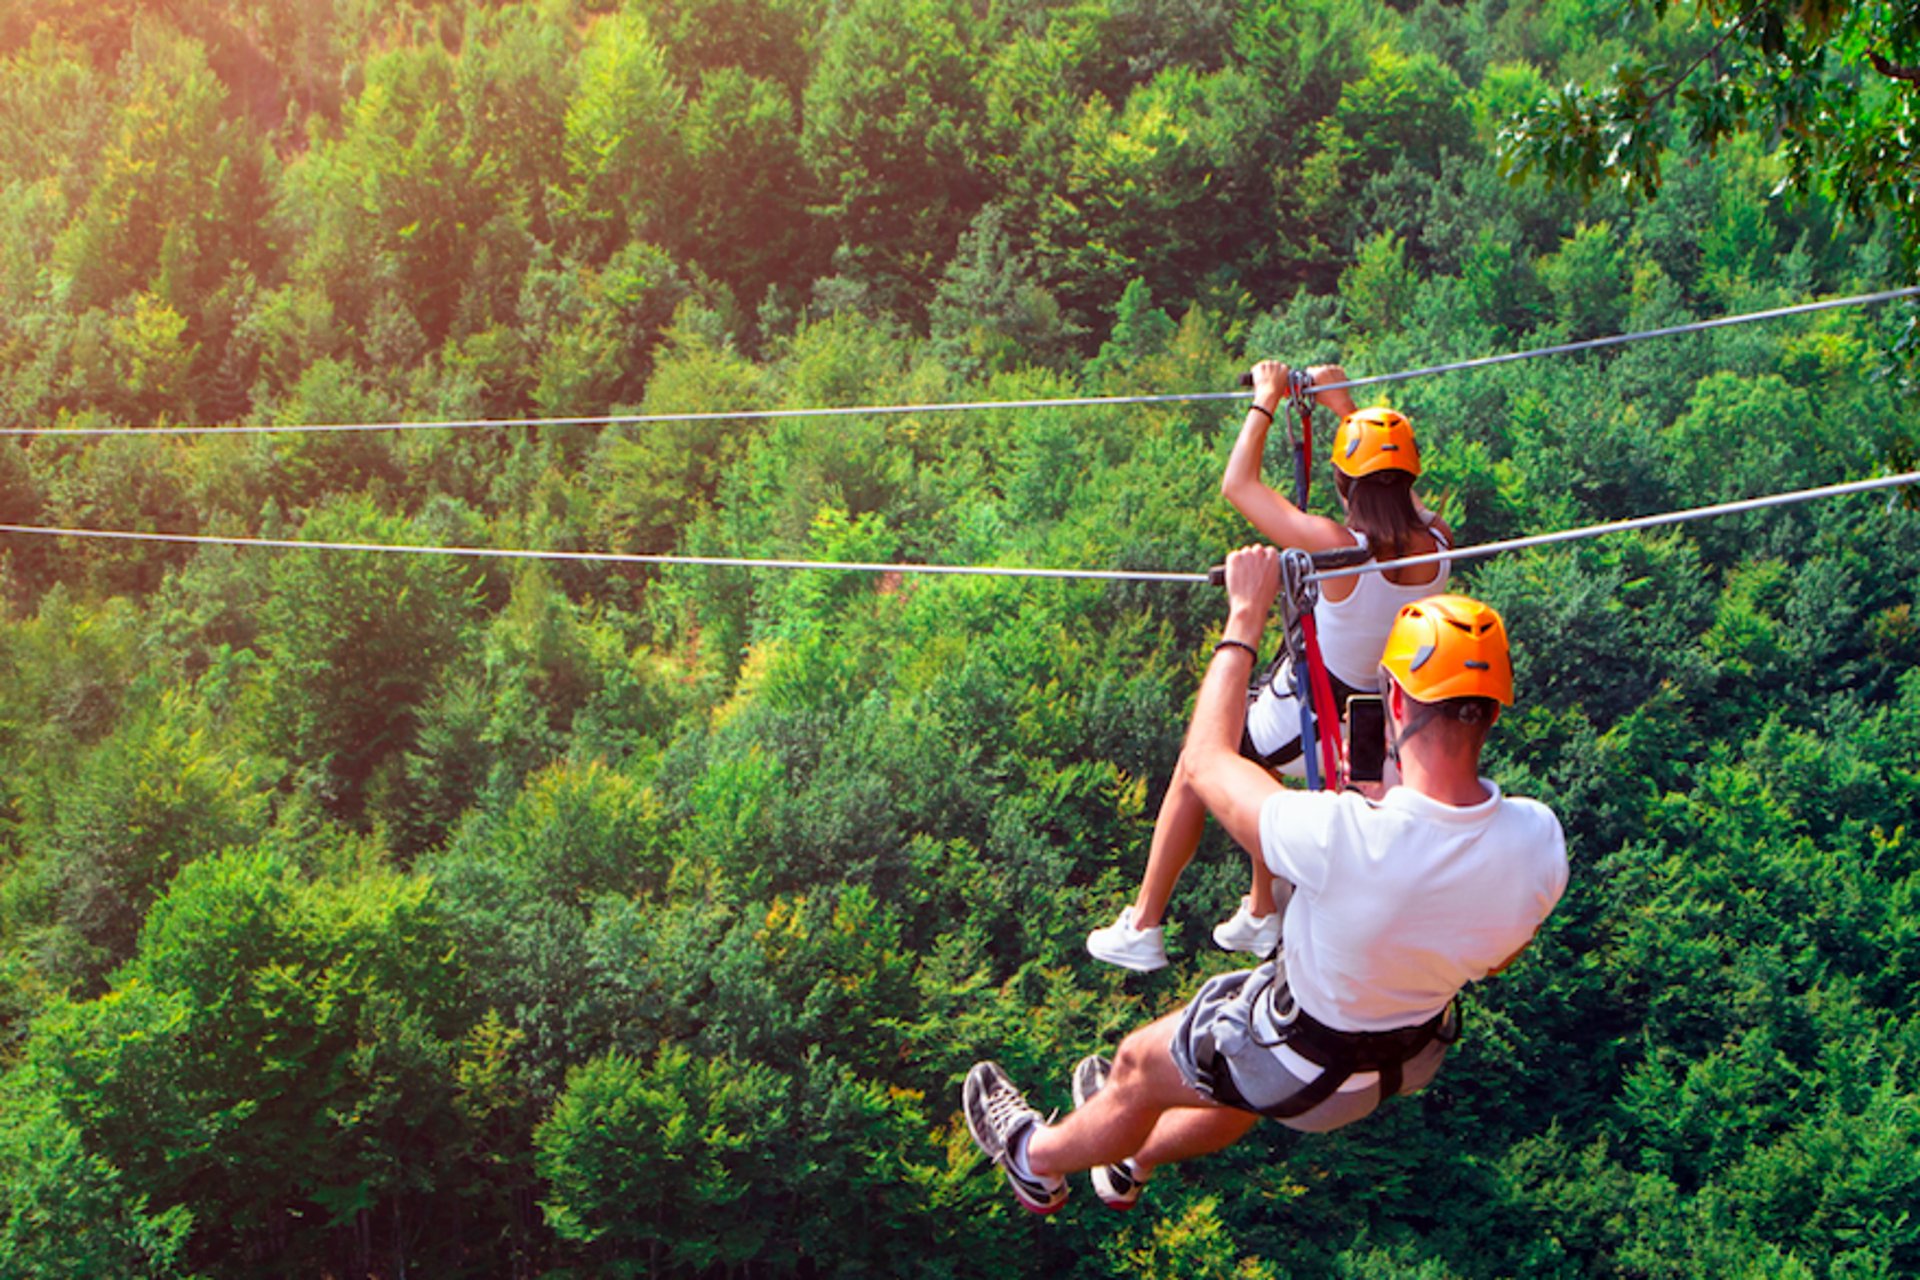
[1375, 463]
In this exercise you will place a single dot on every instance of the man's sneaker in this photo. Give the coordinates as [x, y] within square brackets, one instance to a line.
[1115, 1184]
[1121, 944]
[1247, 931]
[997, 1114]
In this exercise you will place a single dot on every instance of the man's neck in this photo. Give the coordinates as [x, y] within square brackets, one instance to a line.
[1448, 779]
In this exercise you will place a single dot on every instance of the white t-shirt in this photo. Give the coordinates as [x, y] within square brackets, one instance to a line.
[1400, 903]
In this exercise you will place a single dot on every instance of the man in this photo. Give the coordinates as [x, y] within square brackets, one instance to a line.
[1395, 905]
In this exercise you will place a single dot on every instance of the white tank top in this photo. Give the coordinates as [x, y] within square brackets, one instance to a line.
[1353, 632]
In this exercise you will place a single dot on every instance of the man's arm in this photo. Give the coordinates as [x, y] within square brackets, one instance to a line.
[1233, 787]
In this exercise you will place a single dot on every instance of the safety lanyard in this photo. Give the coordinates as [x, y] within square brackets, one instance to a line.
[1333, 759]
[1307, 674]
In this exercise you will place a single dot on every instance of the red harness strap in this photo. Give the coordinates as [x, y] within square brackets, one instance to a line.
[1326, 714]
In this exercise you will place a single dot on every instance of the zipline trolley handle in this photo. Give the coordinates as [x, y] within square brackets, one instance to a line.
[1319, 561]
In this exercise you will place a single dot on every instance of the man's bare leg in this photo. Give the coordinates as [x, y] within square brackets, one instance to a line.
[1189, 1132]
[1145, 1086]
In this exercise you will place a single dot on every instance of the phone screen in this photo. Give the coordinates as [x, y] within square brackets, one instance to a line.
[1366, 738]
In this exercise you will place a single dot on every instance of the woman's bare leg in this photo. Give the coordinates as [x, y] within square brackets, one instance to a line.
[1176, 834]
[1267, 895]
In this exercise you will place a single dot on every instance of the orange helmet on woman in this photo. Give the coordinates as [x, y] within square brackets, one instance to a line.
[1450, 647]
[1371, 440]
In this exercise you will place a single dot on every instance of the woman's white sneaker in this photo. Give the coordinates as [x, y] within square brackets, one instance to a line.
[1248, 932]
[1141, 950]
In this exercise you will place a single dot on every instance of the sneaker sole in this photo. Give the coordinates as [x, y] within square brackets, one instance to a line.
[1105, 1191]
[1039, 1208]
[1120, 960]
[1080, 1092]
[1252, 947]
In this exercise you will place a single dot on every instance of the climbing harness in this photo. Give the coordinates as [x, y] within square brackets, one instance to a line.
[1266, 1016]
[1341, 1055]
[1296, 600]
[1306, 672]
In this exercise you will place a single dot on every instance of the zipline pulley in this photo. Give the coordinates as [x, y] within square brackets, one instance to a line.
[1300, 399]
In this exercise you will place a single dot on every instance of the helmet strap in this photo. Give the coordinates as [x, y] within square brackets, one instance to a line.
[1415, 723]
[1425, 713]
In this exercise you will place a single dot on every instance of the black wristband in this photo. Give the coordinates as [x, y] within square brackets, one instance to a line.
[1257, 407]
[1238, 644]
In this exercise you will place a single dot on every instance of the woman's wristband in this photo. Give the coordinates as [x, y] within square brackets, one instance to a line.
[1238, 644]
[1257, 407]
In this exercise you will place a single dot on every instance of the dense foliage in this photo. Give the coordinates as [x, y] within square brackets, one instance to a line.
[1833, 86]
[370, 915]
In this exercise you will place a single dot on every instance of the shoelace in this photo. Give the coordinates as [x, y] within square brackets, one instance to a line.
[1005, 1109]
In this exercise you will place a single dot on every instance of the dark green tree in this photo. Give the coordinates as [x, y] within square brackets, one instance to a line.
[355, 648]
[891, 129]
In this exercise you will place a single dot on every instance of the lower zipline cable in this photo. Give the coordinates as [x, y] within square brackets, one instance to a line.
[603, 557]
[1637, 522]
[1002, 571]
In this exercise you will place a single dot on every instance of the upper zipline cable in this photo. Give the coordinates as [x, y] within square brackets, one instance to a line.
[1003, 571]
[754, 415]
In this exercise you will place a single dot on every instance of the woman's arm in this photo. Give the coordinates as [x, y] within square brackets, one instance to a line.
[1282, 523]
[1339, 400]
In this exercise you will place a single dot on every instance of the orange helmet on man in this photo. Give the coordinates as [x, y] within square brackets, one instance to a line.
[1447, 647]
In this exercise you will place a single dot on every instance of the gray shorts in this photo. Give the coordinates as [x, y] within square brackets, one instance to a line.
[1238, 1024]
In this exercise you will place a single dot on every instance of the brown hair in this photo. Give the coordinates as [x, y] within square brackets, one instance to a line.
[1380, 505]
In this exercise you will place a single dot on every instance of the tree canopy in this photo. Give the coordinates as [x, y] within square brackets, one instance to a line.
[1832, 87]
[370, 915]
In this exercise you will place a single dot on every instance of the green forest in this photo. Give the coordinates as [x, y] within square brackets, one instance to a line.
[373, 915]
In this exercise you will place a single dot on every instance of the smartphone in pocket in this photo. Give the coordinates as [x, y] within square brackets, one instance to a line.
[1366, 738]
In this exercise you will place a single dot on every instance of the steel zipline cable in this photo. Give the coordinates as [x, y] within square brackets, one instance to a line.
[1638, 522]
[962, 406]
[1003, 571]
[601, 557]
